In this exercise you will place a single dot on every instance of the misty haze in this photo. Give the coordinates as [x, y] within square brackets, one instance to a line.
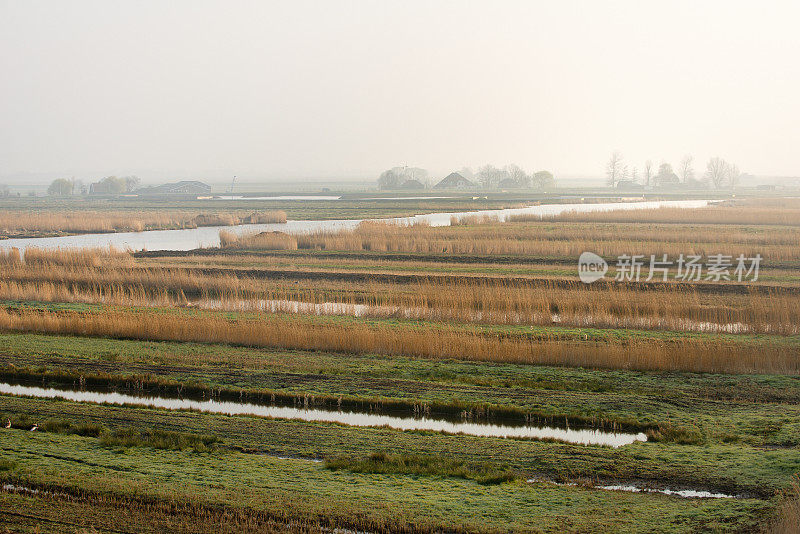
[423, 266]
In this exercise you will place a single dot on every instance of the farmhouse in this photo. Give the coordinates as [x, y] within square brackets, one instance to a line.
[412, 184]
[185, 187]
[454, 181]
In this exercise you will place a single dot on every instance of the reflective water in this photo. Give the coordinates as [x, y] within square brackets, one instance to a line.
[208, 236]
[579, 436]
[365, 310]
[685, 493]
[323, 197]
[281, 197]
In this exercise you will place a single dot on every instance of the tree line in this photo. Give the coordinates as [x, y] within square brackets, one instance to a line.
[719, 173]
[487, 176]
[110, 185]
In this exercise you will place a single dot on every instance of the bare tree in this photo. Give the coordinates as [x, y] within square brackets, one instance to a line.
[521, 179]
[686, 169]
[60, 187]
[733, 175]
[490, 176]
[543, 179]
[390, 179]
[666, 176]
[720, 173]
[397, 176]
[648, 171]
[635, 175]
[131, 183]
[614, 169]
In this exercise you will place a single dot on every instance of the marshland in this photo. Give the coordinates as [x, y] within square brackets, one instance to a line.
[416, 266]
[377, 353]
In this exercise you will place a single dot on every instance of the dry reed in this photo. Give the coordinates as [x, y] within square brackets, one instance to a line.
[277, 332]
[83, 221]
[551, 240]
[83, 276]
[788, 516]
[736, 213]
[260, 241]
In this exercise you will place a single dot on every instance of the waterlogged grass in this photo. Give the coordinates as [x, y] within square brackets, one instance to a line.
[677, 406]
[157, 439]
[526, 332]
[308, 490]
[7, 465]
[783, 273]
[714, 465]
[120, 438]
[381, 462]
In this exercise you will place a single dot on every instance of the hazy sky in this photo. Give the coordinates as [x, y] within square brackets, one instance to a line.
[348, 88]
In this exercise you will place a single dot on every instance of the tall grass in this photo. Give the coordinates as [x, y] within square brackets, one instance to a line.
[83, 221]
[261, 241]
[784, 214]
[547, 239]
[788, 516]
[471, 220]
[685, 354]
[157, 439]
[85, 277]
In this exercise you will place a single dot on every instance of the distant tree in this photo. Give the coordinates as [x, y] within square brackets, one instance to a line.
[515, 173]
[78, 187]
[5, 190]
[614, 169]
[60, 187]
[686, 169]
[634, 175]
[721, 173]
[131, 183]
[543, 180]
[397, 176]
[733, 175]
[110, 185]
[715, 172]
[389, 179]
[666, 176]
[490, 176]
[415, 173]
[648, 172]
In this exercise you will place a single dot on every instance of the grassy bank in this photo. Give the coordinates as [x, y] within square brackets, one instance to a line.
[307, 492]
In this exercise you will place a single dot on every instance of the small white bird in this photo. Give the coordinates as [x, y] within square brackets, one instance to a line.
[8, 424]
[34, 427]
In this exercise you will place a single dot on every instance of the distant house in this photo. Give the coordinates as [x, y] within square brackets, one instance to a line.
[454, 181]
[667, 180]
[629, 185]
[412, 184]
[185, 187]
